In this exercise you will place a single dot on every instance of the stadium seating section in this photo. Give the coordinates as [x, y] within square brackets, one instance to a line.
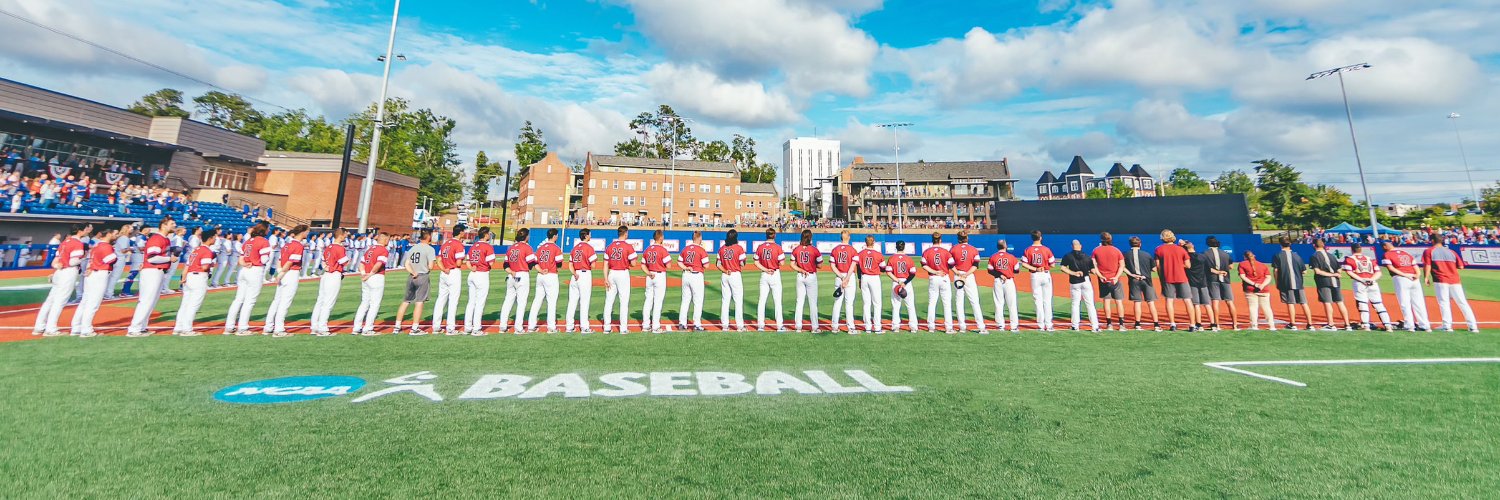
[209, 214]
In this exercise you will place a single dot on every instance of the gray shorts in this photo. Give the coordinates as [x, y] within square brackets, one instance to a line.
[1112, 291]
[1293, 297]
[1200, 295]
[417, 288]
[1176, 291]
[1218, 290]
[1142, 291]
[1330, 295]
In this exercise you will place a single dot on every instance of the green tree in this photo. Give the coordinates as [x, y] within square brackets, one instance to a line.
[633, 148]
[164, 102]
[295, 130]
[1119, 189]
[1489, 199]
[1183, 182]
[1235, 182]
[742, 151]
[418, 143]
[485, 172]
[1281, 192]
[1095, 194]
[661, 133]
[715, 151]
[530, 148]
[229, 111]
[765, 172]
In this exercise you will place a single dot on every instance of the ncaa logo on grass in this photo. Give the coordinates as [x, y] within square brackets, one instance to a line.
[290, 389]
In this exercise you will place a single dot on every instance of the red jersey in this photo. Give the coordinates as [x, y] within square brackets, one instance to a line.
[769, 255]
[519, 258]
[871, 262]
[102, 257]
[201, 260]
[1361, 266]
[693, 258]
[548, 257]
[656, 258]
[807, 258]
[732, 258]
[1039, 257]
[1401, 261]
[291, 256]
[1005, 264]
[451, 253]
[583, 257]
[937, 258]
[1256, 272]
[377, 255]
[902, 266]
[1108, 260]
[158, 252]
[1173, 263]
[965, 256]
[69, 253]
[1443, 263]
[481, 257]
[618, 255]
[843, 257]
[336, 257]
[257, 250]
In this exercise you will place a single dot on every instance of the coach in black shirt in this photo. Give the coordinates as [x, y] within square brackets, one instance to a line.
[1139, 266]
[1197, 276]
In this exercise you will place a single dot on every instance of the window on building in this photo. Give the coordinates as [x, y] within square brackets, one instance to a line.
[591, 199]
[629, 201]
[736, 190]
[530, 199]
[614, 200]
[654, 187]
[716, 204]
[617, 184]
[716, 189]
[1073, 185]
[738, 205]
[692, 188]
[703, 203]
[1041, 190]
[630, 185]
[591, 184]
[704, 187]
[531, 184]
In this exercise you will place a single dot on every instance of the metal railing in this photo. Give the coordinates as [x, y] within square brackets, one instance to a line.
[279, 218]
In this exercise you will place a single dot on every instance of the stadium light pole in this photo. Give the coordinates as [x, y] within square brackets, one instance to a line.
[385, 81]
[1453, 117]
[671, 217]
[1374, 223]
[900, 187]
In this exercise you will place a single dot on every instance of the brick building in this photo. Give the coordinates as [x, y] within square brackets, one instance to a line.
[618, 189]
[933, 193]
[307, 184]
[546, 191]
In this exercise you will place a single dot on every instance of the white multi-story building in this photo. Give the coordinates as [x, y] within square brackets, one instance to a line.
[807, 159]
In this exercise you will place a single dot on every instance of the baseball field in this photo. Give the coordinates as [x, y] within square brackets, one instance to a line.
[1112, 414]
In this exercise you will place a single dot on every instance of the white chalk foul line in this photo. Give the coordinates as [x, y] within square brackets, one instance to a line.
[1229, 366]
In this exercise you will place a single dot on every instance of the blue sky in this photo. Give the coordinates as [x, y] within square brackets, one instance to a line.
[1206, 85]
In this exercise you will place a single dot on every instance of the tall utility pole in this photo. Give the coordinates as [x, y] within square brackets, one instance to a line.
[1453, 117]
[1374, 223]
[385, 81]
[900, 186]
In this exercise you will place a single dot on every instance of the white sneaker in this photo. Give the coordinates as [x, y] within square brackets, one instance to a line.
[478, 333]
[280, 334]
[984, 332]
[55, 333]
[416, 332]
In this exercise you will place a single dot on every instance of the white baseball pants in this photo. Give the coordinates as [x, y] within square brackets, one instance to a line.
[1368, 296]
[732, 292]
[844, 303]
[869, 291]
[517, 288]
[1454, 293]
[580, 293]
[969, 296]
[286, 290]
[1041, 295]
[1004, 294]
[328, 293]
[1413, 304]
[807, 291]
[769, 283]
[63, 282]
[692, 299]
[911, 309]
[194, 287]
[250, 279]
[1082, 294]
[656, 295]
[546, 291]
[150, 292]
[618, 287]
[450, 287]
[371, 290]
[939, 288]
[479, 292]
[93, 294]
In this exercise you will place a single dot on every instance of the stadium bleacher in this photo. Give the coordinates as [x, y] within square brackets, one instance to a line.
[210, 214]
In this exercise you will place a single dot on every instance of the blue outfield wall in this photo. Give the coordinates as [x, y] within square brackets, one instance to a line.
[915, 242]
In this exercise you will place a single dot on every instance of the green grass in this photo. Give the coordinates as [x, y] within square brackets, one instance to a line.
[1120, 415]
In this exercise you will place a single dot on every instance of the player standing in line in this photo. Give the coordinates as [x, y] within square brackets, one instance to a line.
[65, 263]
[549, 258]
[248, 283]
[418, 266]
[479, 260]
[654, 264]
[1363, 270]
[581, 285]
[965, 263]
[287, 282]
[768, 260]
[1139, 266]
[1289, 270]
[1219, 263]
[693, 259]
[450, 259]
[177, 251]
[101, 261]
[902, 270]
[236, 263]
[1037, 259]
[1078, 267]
[372, 285]
[1326, 271]
[1443, 263]
[732, 287]
[273, 263]
[1109, 267]
[871, 263]
[843, 257]
[1198, 275]
[806, 258]
[1003, 267]
[1173, 261]
[157, 258]
[137, 244]
[518, 263]
[122, 259]
[335, 258]
[937, 260]
[617, 259]
[195, 283]
[1408, 283]
[222, 252]
[1256, 278]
